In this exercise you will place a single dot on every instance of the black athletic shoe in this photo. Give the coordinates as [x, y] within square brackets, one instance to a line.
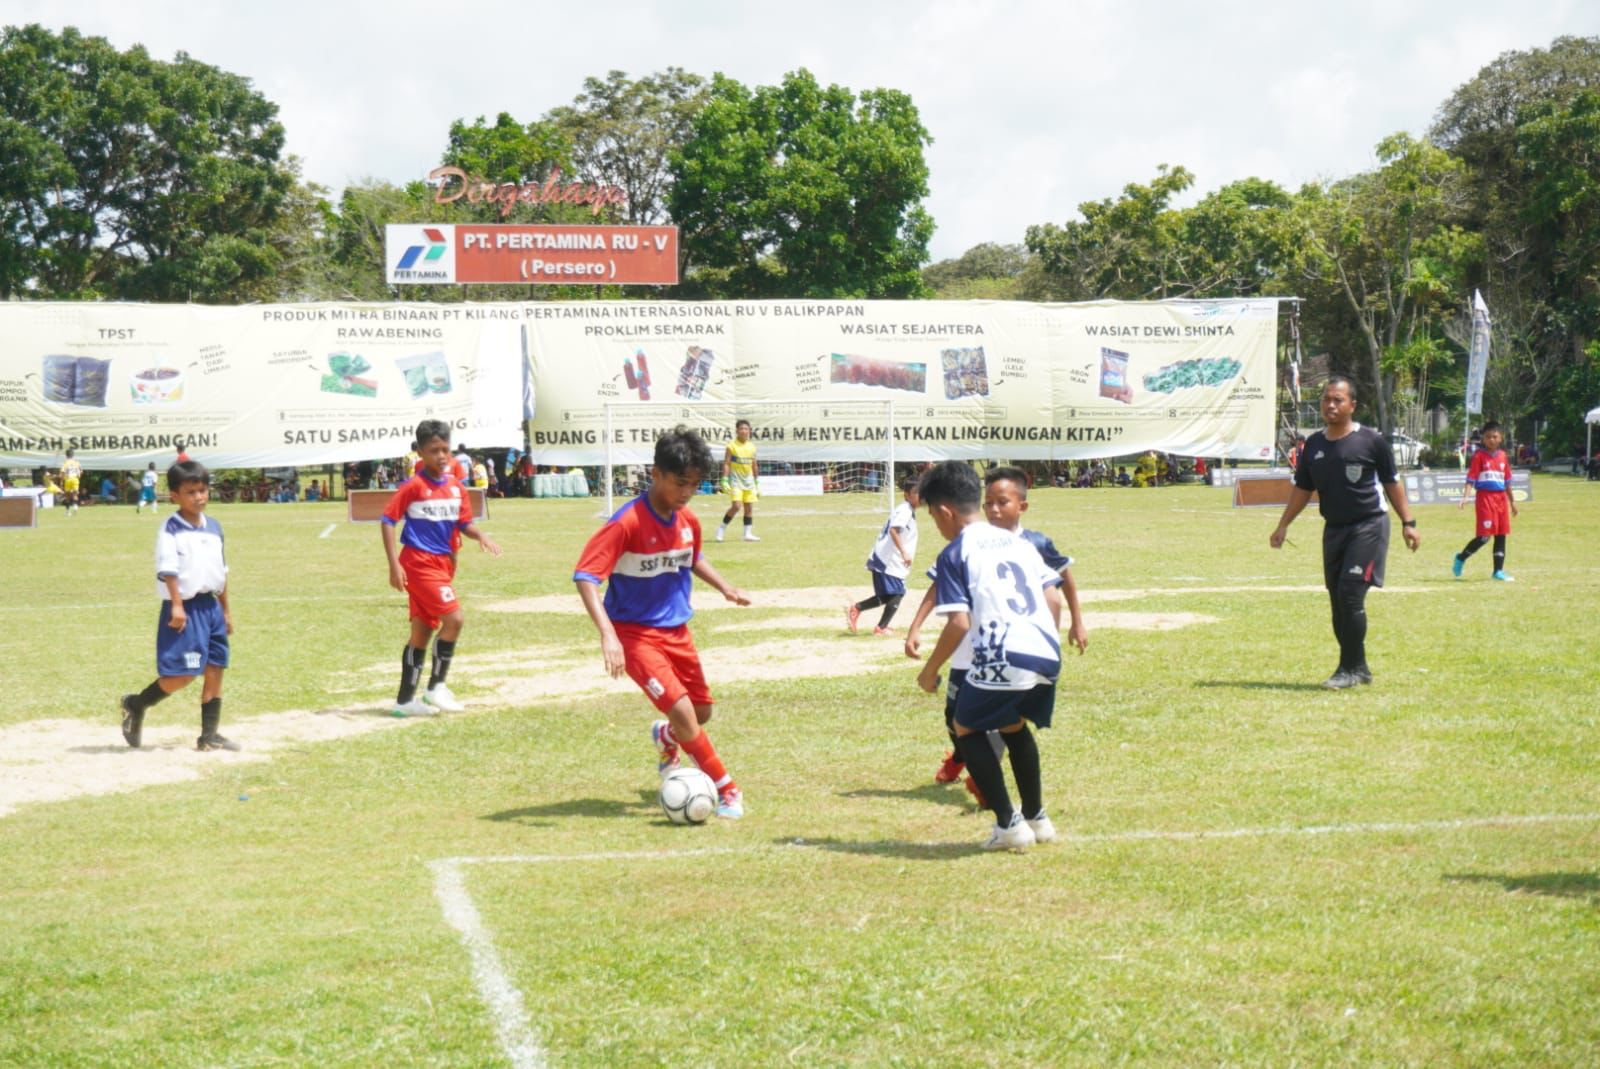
[132, 720]
[214, 741]
[1362, 673]
[1343, 679]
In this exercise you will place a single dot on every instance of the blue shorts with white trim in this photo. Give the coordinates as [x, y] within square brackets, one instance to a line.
[202, 642]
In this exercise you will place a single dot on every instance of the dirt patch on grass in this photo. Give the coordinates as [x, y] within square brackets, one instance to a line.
[56, 760]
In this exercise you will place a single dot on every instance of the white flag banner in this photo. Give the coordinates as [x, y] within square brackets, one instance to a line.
[1478, 361]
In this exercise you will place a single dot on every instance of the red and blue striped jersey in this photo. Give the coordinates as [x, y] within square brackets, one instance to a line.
[649, 560]
[1490, 472]
[433, 512]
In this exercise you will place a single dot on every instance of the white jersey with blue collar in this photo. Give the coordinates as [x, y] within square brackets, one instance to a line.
[192, 553]
[999, 580]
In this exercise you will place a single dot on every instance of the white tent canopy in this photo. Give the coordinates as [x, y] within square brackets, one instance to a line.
[1591, 419]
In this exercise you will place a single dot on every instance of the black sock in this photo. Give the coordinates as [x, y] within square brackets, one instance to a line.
[871, 603]
[149, 696]
[1471, 547]
[748, 520]
[955, 744]
[1024, 751]
[984, 768]
[442, 652]
[890, 604]
[1353, 640]
[210, 715]
[410, 673]
[1338, 623]
[1499, 553]
[728, 516]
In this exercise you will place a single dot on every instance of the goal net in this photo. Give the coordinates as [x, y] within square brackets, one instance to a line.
[802, 447]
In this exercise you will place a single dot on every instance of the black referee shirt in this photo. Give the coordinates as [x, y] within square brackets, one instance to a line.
[1346, 474]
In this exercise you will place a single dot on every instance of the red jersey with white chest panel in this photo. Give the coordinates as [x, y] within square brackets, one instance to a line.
[434, 513]
[1490, 475]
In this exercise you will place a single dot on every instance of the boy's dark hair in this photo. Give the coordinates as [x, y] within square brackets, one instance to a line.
[951, 483]
[152, 465]
[1492, 425]
[69, 453]
[1349, 385]
[910, 482]
[428, 430]
[1015, 476]
[742, 423]
[187, 471]
[681, 451]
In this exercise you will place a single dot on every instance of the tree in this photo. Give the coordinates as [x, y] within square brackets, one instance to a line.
[127, 177]
[621, 132]
[1379, 243]
[803, 191]
[988, 271]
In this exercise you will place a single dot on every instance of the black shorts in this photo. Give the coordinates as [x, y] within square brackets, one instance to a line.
[990, 710]
[1354, 550]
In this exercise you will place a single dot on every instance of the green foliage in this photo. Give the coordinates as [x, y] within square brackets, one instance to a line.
[804, 191]
[125, 177]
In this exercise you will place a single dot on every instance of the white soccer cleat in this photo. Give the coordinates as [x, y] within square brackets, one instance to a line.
[750, 536]
[1043, 830]
[414, 707]
[442, 699]
[720, 532]
[1016, 836]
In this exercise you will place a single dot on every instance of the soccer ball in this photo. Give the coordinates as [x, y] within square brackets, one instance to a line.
[688, 796]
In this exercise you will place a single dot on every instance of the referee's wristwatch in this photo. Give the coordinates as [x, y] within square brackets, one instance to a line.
[1408, 523]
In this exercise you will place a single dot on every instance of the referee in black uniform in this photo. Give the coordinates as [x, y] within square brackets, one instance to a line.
[1351, 468]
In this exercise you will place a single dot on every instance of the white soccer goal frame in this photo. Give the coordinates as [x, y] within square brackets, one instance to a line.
[751, 410]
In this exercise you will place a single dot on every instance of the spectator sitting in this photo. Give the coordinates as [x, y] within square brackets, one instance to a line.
[108, 490]
[1122, 477]
[314, 491]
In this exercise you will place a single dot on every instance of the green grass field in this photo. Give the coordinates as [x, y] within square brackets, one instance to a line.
[1253, 871]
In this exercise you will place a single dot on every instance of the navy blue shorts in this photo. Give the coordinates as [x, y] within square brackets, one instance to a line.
[952, 688]
[990, 710]
[887, 586]
[203, 640]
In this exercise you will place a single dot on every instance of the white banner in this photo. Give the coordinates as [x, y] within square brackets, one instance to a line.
[253, 386]
[968, 379]
[1478, 358]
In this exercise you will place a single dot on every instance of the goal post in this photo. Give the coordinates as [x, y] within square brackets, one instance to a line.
[849, 446]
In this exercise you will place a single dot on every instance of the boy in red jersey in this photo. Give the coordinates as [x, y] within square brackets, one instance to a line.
[1489, 475]
[437, 512]
[649, 550]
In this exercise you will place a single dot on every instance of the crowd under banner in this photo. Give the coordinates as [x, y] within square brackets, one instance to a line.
[271, 385]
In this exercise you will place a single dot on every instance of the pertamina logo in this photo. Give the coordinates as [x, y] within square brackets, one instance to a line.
[424, 254]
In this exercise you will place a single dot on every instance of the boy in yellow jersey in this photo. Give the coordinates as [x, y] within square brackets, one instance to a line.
[739, 480]
[71, 475]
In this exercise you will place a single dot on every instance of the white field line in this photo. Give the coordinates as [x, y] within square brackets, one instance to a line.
[328, 530]
[504, 1000]
[511, 1024]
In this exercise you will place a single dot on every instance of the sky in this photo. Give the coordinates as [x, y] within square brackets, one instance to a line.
[1033, 108]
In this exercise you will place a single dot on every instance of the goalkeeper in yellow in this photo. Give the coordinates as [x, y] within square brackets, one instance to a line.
[739, 480]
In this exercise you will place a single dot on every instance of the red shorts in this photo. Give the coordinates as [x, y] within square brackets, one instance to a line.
[664, 663]
[1494, 515]
[429, 584]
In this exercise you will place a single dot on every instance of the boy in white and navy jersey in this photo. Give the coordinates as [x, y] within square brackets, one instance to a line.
[434, 507]
[992, 584]
[192, 633]
[147, 489]
[890, 561]
[647, 555]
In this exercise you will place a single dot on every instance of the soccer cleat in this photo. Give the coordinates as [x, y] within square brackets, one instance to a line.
[851, 615]
[414, 707]
[730, 803]
[1502, 577]
[750, 536]
[441, 698]
[1043, 830]
[1362, 674]
[977, 795]
[661, 735]
[1343, 679]
[132, 720]
[950, 769]
[883, 630]
[720, 532]
[213, 741]
[1457, 564]
[1015, 836]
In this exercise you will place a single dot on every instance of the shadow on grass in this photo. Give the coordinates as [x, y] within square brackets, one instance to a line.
[1552, 884]
[942, 793]
[114, 748]
[1255, 684]
[888, 848]
[545, 815]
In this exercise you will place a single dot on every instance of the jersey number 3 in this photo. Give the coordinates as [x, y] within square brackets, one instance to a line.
[1011, 570]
